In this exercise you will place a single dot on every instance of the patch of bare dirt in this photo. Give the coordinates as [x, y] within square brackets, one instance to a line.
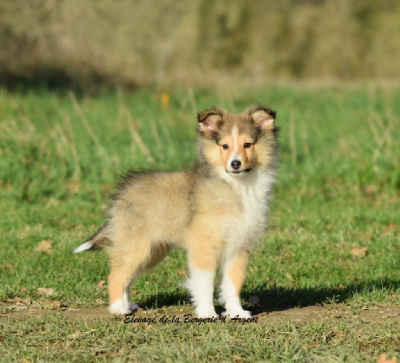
[24, 308]
[336, 311]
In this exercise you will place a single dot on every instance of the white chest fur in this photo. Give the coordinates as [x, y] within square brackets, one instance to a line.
[247, 224]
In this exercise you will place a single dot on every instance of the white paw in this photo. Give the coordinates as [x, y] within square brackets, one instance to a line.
[119, 308]
[242, 314]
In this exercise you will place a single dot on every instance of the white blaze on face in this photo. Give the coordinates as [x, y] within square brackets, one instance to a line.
[234, 155]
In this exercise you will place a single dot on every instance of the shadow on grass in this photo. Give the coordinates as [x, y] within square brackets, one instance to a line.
[282, 298]
[165, 300]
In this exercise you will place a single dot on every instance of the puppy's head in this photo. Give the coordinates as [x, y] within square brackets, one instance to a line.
[237, 144]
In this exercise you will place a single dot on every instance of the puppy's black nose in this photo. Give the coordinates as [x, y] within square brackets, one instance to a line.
[236, 164]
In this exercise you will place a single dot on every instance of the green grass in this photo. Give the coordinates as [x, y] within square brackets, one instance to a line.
[338, 189]
[56, 338]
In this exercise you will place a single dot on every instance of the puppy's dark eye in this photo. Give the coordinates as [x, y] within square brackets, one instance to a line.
[225, 146]
[246, 145]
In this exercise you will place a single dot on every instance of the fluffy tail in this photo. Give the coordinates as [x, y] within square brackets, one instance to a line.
[96, 242]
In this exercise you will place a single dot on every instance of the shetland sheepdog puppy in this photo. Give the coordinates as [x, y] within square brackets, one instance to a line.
[217, 212]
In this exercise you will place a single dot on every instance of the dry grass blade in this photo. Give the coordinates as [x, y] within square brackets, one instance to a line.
[381, 136]
[192, 101]
[292, 138]
[77, 172]
[138, 140]
[86, 125]
[155, 134]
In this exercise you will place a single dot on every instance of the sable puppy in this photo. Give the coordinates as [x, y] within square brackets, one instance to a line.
[217, 211]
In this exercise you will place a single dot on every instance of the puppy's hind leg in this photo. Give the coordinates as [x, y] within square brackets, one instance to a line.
[126, 261]
[126, 265]
[123, 273]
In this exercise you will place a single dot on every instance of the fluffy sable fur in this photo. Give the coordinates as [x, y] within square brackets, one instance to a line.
[217, 211]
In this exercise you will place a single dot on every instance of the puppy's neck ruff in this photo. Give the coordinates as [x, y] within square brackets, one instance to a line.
[257, 182]
[253, 191]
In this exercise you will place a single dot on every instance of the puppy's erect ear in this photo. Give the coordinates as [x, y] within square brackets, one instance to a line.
[209, 122]
[263, 117]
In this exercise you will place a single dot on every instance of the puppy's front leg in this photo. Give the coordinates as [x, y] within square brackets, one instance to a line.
[202, 266]
[234, 272]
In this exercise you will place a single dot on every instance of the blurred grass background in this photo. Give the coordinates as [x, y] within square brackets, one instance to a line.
[85, 44]
[338, 186]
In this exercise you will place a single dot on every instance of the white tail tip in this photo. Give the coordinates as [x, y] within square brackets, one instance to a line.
[83, 247]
